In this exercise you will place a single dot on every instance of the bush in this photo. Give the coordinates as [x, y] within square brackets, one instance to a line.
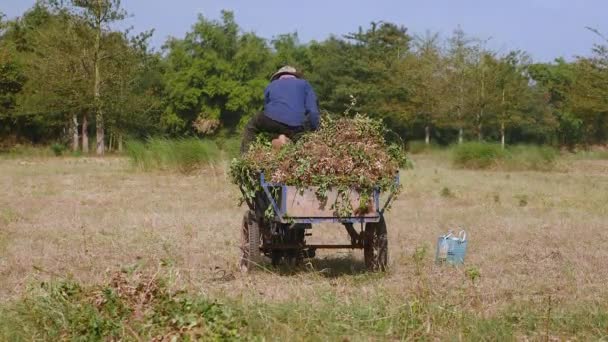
[477, 155]
[184, 155]
[58, 149]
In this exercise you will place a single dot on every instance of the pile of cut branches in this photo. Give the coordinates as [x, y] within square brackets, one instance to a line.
[344, 154]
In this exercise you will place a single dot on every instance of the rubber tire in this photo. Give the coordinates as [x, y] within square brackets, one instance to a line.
[375, 246]
[250, 248]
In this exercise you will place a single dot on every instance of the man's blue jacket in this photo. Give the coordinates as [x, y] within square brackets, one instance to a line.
[290, 101]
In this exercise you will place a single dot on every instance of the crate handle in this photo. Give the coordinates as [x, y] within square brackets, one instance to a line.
[462, 235]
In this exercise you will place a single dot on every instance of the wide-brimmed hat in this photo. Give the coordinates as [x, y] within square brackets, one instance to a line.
[285, 70]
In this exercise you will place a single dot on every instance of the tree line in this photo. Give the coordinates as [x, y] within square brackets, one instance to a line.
[67, 74]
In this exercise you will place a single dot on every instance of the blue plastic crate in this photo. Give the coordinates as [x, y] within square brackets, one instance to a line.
[451, 249]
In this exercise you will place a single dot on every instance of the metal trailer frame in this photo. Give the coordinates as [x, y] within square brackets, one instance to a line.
[282, 217]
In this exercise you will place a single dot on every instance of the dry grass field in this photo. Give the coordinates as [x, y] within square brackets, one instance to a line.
[536, 268]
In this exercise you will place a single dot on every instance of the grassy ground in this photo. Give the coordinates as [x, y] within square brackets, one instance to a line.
[535, 266]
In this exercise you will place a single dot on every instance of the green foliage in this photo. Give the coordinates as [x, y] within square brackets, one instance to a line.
[475, 155]
[137, 307]
[58, 149]
[122, 309]
[539, 158]
[21, 151]
[210, 81]
[215, 73]
[183, 155]
[446, 192]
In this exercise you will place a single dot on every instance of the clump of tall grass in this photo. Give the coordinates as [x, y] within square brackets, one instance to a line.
[479, 155]
[592, 154]
[21, 151]
[129, 307]
[136, 306]
[525, 157]
[184, 155]
[417, 147]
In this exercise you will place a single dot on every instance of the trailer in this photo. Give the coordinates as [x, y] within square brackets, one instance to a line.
[280, 217]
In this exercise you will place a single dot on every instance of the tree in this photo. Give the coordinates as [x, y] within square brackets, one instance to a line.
[214, 77]
[59, 73]
[98, 15]
[133, 89]
[514, 91]
[429, 81]
[12, 79]
[459, 70]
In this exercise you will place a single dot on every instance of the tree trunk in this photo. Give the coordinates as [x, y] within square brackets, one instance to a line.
[74, 133]
[502, 123]
[502, 135]
[460, 135]
[110, 142]
[482, 100]
[119, 143]
[85, 135]
[97, 94]
[427, 135]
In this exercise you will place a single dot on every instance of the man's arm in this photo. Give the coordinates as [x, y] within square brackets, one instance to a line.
[311, 106]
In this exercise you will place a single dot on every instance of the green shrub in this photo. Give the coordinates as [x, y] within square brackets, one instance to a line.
[477, 155]
[184, 155]
[58, 149]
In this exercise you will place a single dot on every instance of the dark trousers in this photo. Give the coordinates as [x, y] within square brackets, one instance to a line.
[260, 123]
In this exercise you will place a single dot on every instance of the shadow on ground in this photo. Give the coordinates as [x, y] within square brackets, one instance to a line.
[329, 267]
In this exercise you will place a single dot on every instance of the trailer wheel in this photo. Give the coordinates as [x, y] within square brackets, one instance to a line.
[250, 243]
[375, 246]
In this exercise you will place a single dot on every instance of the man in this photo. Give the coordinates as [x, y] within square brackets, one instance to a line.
[290, 108]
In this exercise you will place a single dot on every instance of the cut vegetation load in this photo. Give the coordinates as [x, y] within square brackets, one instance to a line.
[334, 174]
[344, 154]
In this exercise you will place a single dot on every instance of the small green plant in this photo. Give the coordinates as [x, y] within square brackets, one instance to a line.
[58, 149]
[446, 192]
[522, 200]
[473, 273]
[496, 198]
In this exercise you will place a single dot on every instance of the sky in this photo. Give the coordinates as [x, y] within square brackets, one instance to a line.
[546, 29]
